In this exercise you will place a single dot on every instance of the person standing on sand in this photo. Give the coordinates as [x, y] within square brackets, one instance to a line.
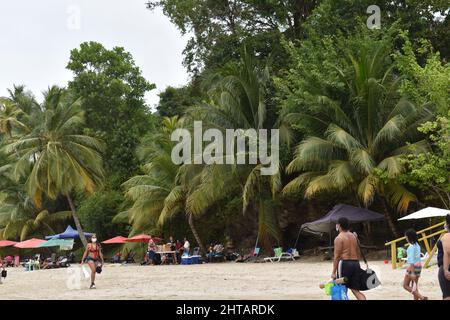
[444, 261]
[94, 258]
[346, 258]
[412, 276]
[186, 247]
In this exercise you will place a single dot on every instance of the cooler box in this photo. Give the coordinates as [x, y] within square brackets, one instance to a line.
[186, 260]
[195, 259]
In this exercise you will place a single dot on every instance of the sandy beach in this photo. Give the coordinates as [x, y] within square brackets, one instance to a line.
[288, 280]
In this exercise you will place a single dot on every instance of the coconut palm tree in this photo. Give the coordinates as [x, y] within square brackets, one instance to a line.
[237, 100]
[19, 217]
[10, 117]
[148, 191]
[162, 191]
[360, 139]
[62, 161]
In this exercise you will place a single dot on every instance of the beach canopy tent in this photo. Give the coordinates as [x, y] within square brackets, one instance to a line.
[7, 243]
[327, 223]
[70, 233]
[116, 240]
[63, 244]
[353, 214]
[29, 244]
[429, 212]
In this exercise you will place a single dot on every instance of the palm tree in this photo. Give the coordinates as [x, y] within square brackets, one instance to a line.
[62, 161]
[19, 217]
[10, 117]
[148, 191]
[237, 96]
[360, 139]
[162, 191]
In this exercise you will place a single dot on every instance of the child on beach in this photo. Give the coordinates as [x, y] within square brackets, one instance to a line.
[413, 272]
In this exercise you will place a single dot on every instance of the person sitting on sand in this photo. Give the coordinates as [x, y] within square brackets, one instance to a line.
[412, 276]
[444, 261]
[346, 258]
[210, 252]
[151, 251]
[94, 257]
[172, 244]
[218, 249]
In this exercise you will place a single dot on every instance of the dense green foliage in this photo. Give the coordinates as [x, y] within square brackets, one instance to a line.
[363, 117]
[112, 91]
[430, 171]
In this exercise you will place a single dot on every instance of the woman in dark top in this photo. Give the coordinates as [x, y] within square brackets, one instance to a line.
[444, 261]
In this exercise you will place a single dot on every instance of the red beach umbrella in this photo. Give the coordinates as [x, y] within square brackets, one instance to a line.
[116, 240]
[142, 238]
[139, 238]
[29, 244]
[7, 243]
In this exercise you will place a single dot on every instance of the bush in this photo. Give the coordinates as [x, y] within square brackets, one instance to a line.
[97, 211]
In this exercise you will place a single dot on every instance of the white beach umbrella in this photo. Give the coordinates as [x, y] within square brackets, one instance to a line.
[429, 212]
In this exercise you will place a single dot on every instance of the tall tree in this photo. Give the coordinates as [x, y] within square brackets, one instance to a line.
[360, 138]
[162, 192]
[175, 101]
[112, 89]
[62, 161]
[238, 100]
[220, 27]
[10, 117]
[429, 171]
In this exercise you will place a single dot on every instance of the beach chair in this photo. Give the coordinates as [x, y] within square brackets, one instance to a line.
[130, 257]
[280, 255]
[52, 261]
[115, 258]
[294, 253]
[254, 253]
[252, 256]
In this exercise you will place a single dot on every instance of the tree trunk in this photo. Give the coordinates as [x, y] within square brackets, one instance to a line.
[77, 221]
[389, 219]
[195, 233]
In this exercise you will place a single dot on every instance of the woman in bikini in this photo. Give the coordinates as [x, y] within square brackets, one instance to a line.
[94, 258]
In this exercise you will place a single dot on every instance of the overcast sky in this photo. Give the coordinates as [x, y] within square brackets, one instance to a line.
[36, 38]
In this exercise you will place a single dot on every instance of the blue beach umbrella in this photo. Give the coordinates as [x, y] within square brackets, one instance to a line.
[70, 233]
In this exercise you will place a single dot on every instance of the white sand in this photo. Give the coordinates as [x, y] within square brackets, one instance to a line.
[286, 280]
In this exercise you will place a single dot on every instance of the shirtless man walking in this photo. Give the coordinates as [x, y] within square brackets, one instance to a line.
[346, 258]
